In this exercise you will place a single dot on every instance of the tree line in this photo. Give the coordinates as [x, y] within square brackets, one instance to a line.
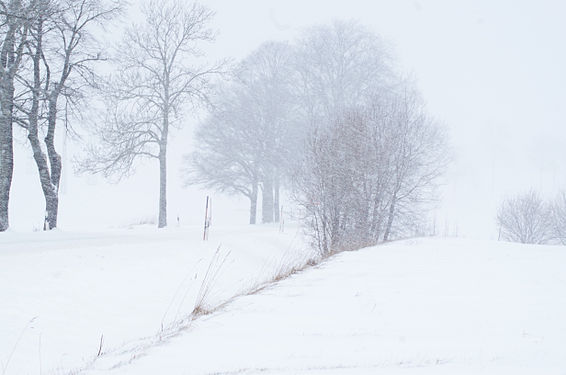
[326, 118]
[329, 118]
[50, 50]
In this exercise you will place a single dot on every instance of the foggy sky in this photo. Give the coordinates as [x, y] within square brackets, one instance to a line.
[491, 71]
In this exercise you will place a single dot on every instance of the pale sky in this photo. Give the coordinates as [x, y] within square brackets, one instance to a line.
[492, 71]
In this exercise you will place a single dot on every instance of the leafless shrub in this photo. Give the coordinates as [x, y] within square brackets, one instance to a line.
[208, 282]
[369, 175]
[526, 219]
[558, 219]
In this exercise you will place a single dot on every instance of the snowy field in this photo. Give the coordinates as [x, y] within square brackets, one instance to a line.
[60, 292]
[427, 306]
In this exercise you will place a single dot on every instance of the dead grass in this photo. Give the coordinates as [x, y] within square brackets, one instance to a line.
[288, 266]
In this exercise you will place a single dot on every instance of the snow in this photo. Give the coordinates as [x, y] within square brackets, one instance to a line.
[425, 306]
[61, 291]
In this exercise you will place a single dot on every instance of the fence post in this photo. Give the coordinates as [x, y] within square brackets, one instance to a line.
[206, 223]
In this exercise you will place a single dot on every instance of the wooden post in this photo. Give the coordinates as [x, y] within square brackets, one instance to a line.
[281, 221]
[210, 212]
[205, 234]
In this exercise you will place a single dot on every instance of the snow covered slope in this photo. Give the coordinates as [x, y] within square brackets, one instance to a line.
[427, 306]
[61, 292]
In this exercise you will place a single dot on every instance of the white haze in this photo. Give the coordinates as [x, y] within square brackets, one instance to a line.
[492, 72]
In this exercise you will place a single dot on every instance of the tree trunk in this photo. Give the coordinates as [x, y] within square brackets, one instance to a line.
[276, 188]
[6, 130]
[6, 150]
[267, 201]
[162, 186]
[52, 198]
[49, 190]
[253, 205]
[390, 218]
[162, 220]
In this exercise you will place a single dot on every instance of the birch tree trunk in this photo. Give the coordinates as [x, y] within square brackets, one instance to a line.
[48, 188]
[390, 218]
[9, 62]
[276, 204]
[267, 201]
[6, 148]
[253, 204]
[162, 223]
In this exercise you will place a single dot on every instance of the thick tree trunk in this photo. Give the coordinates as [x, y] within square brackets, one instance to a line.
[162, 220]
[276, 204]
[6, 151]
[253, 204]
[52, 197]
[49, 190]
[267, 201]
[162, 187]
[6, 130]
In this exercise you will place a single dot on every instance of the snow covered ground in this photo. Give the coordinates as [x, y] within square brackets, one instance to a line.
[60, 292]
[426, 306]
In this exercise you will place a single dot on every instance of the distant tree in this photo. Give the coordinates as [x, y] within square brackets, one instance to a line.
[525, 219]
[268, 79]
[341, 69]
[157, 76]
[16, 17]
[328, 184]
[340, 66]
[227, 157]
[370, 168]
[418, 156]
[249, 138]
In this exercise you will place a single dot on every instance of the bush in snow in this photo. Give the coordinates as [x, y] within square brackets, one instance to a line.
[558, 219]
[369, 175]
[526, 219]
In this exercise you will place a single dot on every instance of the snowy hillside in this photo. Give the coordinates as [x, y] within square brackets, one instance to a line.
[420, 306]
[60, 292]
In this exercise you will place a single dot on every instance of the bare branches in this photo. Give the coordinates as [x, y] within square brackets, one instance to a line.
[123, 138]
[246, 141]
[525, 219]
[341, 65]
[367, 175]
[159, 73]
[60, 55]
[16, 19]
[558, 218]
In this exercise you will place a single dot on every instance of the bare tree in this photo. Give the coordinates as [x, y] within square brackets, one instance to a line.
[418, 155]
[525, 219]
[370, 168]
[267, 77]
[227, 157]
[153, 83]
[340, 66]
[61, 50]
[15, 19]
[249, 138]
[341, 69]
